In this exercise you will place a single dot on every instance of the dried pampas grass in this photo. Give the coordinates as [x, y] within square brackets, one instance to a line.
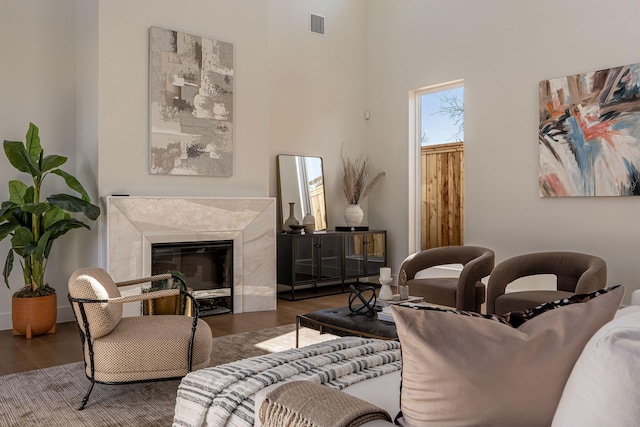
[355, 182]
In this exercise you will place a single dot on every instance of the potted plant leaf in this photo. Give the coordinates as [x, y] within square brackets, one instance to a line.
[33, 223]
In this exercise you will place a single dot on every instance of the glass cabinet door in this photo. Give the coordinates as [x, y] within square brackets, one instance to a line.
[305, 260]
[354, 255]
[376, 252]
[364, 254]
[330, 252]
[317, 258]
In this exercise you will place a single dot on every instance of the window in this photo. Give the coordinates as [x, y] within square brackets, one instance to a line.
[438, 166]
[441, 116]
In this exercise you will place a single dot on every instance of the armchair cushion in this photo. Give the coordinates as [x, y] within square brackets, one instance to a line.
[524, 300]
[443, 290]
[470, 370]
[95, 283]
[134, 350]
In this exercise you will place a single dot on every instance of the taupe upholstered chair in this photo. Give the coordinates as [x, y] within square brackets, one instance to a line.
[576, 273]
[120, 350]
[465, 292]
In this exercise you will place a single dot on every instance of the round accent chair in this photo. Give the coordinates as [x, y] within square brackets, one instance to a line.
[465, 292]
[576, 273]
[120, 350]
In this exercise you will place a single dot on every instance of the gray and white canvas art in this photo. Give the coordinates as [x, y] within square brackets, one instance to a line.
[191, 104]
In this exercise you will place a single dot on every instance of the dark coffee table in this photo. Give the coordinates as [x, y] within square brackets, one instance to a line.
[340, 321]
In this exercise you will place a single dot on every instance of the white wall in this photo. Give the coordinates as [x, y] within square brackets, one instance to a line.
[318, 89]
[123, 49]
[502, 49]
[37, 82]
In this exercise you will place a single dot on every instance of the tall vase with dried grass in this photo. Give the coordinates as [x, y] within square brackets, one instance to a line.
[357, 184]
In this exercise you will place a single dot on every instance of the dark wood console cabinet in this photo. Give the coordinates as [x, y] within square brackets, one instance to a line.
[323, 262]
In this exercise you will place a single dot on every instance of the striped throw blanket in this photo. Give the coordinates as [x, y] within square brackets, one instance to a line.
[223, 395]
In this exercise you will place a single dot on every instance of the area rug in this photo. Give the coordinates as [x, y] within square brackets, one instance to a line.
[50, 397]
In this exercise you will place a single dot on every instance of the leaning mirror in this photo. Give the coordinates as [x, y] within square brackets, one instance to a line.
[301, 182]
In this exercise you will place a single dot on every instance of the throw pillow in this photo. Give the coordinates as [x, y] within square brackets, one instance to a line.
[472, 371]
[517, 318]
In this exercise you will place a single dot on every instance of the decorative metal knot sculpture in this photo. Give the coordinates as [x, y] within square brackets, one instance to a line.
[366, 295]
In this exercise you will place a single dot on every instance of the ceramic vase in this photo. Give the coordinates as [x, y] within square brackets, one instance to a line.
[385, 293]
[292, 220]
[353, 215]
[309, 222]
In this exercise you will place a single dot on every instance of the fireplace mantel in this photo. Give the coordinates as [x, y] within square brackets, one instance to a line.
[133, 223]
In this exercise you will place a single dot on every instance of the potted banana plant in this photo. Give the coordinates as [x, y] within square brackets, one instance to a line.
[33, 222]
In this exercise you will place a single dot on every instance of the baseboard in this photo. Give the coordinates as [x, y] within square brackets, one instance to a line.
[5, 321]
[65, 314]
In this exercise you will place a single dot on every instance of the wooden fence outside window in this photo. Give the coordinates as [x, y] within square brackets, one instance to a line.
[442, 195]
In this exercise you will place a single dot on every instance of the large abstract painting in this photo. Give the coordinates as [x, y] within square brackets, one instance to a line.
[589, 136]
[191, 104]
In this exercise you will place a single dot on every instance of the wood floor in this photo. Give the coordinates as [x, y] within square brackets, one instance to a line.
[19, 354]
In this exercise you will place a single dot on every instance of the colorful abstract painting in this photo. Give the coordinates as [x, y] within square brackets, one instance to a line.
[191, 104]
[590, 134]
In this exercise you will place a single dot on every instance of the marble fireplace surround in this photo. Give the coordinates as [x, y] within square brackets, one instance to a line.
[134, 223]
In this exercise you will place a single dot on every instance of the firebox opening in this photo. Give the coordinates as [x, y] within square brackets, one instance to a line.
[208, 269]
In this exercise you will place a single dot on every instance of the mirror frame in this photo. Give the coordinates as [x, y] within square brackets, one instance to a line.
[319, 210]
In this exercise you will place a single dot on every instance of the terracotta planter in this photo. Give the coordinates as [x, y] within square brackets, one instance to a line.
[34, 316]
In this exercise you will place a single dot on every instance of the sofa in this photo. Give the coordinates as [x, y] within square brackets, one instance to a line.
[570, 364]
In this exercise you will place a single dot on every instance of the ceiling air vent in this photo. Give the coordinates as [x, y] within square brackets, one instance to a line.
[317, 24]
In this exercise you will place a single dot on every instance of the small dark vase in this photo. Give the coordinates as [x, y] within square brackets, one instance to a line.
[292, 220]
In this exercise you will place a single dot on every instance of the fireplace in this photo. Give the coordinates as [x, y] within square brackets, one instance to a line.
[133, 224]
[207, 267]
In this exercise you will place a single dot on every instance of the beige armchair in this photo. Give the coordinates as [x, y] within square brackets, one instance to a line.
[576, 273]
[465, 292]
[119, 350]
